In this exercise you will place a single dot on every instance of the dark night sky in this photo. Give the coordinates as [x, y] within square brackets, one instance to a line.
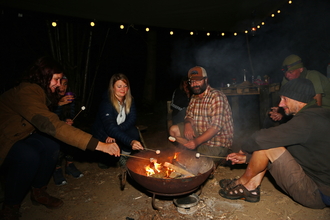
[301, 28]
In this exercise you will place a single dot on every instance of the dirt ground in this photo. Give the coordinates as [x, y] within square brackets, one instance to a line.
[98, 196]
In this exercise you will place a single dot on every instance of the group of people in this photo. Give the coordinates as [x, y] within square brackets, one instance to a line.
[295, 152]
[36, 133]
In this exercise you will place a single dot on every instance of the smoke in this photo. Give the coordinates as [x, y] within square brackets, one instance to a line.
[301, 28]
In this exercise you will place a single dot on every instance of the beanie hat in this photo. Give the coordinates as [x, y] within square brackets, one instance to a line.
[299, 89]
[292, 62]
[197, 73]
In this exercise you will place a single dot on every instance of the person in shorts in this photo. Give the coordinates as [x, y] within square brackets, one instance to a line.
[295, 153]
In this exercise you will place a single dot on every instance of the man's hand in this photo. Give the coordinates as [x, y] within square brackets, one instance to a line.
[275, 115]
[237, 158]
[189, 131]
[136, 145]
[191, 145]
[110, 148]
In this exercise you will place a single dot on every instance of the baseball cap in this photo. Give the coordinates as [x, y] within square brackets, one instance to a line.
[292, 62]
[197, 73]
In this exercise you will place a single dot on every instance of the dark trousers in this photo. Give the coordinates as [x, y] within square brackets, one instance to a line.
[30, 162]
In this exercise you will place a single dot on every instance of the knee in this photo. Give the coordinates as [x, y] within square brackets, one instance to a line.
[174, 131]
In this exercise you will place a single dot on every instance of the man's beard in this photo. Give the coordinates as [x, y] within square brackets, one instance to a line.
[199, 89]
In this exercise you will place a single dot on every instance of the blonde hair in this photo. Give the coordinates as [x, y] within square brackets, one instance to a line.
[128, 97]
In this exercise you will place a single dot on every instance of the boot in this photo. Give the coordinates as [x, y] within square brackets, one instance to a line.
[40, 196]
[10, 212]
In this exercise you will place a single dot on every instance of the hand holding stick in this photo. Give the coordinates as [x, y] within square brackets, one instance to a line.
[82, 109]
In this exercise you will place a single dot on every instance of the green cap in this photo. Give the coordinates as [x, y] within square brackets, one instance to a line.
[292, 62]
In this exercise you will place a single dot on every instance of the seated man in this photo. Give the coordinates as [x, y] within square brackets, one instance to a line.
[293, 68]
[296, 153]
[208, 124]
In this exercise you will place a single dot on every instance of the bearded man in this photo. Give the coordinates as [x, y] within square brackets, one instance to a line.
[208, 124]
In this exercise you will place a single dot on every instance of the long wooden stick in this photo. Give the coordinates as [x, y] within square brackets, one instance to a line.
[180, 140]
[128, 155]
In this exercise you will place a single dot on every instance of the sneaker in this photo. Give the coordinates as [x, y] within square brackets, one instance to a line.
[72, 170]
[58, 177]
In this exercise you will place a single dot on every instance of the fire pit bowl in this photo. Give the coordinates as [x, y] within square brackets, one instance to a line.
[200, 167]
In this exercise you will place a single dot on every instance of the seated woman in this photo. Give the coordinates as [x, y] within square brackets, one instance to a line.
[28, 151]
[116, 118]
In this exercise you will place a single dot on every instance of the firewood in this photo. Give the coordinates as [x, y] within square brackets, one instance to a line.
[178, 169]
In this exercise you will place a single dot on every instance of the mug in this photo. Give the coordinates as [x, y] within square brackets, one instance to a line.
[69, 93]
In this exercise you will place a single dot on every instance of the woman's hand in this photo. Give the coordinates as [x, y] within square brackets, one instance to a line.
[66, 100]
[110, 148]
[275, 115]
[69, 121]
[136, 145]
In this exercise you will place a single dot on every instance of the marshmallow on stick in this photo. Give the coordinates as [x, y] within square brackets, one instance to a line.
[180, 140]
[82, 109]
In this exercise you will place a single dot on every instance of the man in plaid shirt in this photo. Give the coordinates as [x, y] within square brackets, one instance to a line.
[208, 125]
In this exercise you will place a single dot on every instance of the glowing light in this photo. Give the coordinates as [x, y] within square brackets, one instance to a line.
[92, 24]
[222, 34]
[208, 34]
[147, 29]
[235, 34]
[253, 29]
[278, 11]
[171, 32]
[122, 27]
[258, 26]
[191, 33]
[273, 15]
[262, 23]
[290, 2]
[246, 32]
[54, 24]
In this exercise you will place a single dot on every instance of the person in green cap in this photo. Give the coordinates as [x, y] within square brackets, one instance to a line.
[293, 68]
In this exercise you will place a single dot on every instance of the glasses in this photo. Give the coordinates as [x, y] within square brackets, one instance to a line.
[195, 81]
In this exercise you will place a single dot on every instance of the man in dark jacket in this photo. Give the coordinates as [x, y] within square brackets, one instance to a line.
[296, 153]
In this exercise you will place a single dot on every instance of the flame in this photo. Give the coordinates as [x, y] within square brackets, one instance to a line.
[158, 166]
[149, 171]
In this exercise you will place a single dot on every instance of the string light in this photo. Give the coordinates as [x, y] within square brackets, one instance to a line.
[171, 32]
[290, 2]
[208, 34]
[222, 34]
[258, 26]
[191, 33]
[147, 29]
[273, 15]
[92, 24]
[246, 31]
[54, 24]
[235, 34]
[122, 27]
[262, 23]
[278, 11]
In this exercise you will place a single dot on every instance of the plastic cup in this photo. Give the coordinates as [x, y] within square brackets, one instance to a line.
[69, 93]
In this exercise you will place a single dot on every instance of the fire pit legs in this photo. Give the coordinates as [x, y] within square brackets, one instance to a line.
[153, 202]
[122, 176]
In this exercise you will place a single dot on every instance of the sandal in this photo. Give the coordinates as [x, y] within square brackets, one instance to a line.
[240, 192]
[228, 183]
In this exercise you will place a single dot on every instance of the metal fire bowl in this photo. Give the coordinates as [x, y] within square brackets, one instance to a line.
[201, 167]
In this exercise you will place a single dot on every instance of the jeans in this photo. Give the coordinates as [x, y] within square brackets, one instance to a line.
[30, 162]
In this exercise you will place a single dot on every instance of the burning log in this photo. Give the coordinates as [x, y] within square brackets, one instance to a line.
[178, 169]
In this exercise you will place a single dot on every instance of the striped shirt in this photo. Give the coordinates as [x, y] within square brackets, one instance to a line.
[212, 110]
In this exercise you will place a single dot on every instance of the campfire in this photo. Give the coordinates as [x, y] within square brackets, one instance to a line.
[171, 169]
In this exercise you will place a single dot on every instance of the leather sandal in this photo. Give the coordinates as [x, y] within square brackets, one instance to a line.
[228, 183]
[240, 192]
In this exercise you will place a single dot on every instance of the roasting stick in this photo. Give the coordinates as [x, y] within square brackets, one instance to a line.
[82, 109]
[150, 159]
[144, 144]
[201, 155]
[180, 140]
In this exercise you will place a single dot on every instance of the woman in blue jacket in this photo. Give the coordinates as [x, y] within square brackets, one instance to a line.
[115, 120]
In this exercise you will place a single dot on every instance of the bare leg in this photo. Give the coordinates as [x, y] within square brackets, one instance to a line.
[257, 167]
[175, 131]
